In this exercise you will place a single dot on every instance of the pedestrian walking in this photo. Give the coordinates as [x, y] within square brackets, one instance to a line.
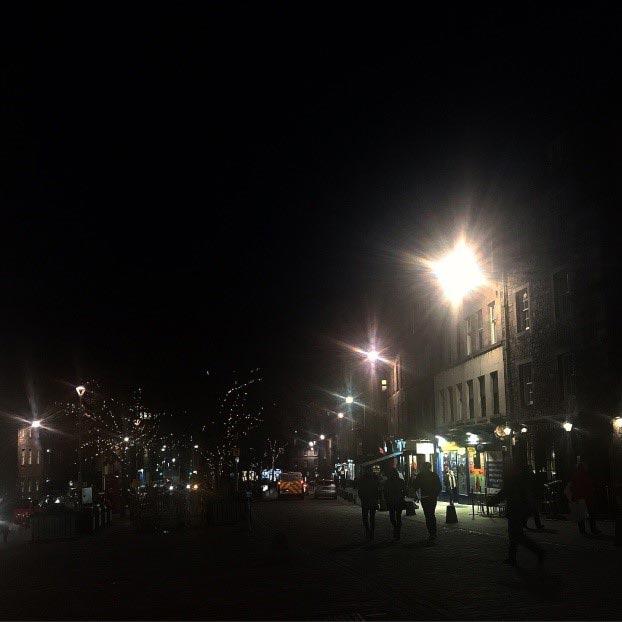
[394, 494]
[517, 508]
[451, 485]
[430, 486]
[581, 496]
[532, 492]
[368, 487]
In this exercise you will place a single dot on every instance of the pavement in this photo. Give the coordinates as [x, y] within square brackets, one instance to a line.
[309, 560]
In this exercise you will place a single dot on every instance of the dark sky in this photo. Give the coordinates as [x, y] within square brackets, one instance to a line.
[220, 187]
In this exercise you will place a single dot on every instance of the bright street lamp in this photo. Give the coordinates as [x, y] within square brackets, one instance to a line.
[349, 399]
[311, 443]
[567, 426]
[507, 430]
[458, 273]
[340, 415]
[126, 439]
[322, 437]
[35, 424]
[372, 356]
[81, 390]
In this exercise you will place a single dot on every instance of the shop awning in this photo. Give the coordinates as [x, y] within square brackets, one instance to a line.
[386, 457]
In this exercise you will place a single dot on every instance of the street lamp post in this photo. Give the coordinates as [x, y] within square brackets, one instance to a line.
[80, 390]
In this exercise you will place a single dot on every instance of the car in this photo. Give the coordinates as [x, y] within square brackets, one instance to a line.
[291, 484]
[325, 489]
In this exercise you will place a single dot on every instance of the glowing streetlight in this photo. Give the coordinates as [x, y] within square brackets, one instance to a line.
[196, 446]
[126, 439]
[322, 437]
[458, 273]
[340, 415]
[523, 429]
[35, 424]
[567, 426]
[80, 390]
[349, 399]
[507, 430]
[311, 443]
[372, 356]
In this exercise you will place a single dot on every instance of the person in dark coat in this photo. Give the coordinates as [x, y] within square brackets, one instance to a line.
[531, 485]
[368, 488]
[516, 494]
[394, 493]
[451, 485]
[430, 486]
[582, 489]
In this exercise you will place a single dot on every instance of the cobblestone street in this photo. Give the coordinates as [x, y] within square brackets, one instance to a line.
[308, 560]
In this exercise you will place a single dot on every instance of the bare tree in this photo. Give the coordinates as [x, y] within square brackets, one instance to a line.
[274, 449]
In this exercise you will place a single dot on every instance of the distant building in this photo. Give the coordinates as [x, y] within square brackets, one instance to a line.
[45, 463]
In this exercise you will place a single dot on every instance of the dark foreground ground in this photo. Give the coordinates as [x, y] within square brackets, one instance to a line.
[308, 560]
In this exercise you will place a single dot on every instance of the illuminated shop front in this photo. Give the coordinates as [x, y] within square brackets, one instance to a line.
[478, 465]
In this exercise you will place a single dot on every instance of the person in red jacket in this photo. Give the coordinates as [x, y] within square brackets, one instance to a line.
[582, 491]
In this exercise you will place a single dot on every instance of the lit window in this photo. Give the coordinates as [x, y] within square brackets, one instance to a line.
[30, 456]
[384, 385]
[480, 330]
[523, 317]
[23, 457]
[469, 336]
[492, 323]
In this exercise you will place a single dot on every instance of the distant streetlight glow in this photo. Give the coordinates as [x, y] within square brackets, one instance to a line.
[126, 438]
[36, 424]
[322, 437]
[310, 443]
[81, 390]
[458, 273]
[507, 430]
[196, 446]
[523, 429]
[340, 415]
[349, 399]
[567, 426]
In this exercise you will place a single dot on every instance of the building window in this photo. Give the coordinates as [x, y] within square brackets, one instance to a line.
[30, 456]
[450, 391]
[525, 374]
[522, 311]
[561, 294]
[23, 457]
[38, 456]
[492, 322]
[460, 409]
[469, 336]
[441, 397]
[494, 382]
[398, 379]
[471, 399]
[383, 384]
[480, 330]
[566, 368]
[37, 485]
[458, 342]
[482, 395]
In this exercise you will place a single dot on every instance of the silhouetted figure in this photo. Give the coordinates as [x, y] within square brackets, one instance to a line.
[451, 485]
[369, 492]
[394, 493]
[517, 504]
[582, 494]
[531, 486]
[430, 486]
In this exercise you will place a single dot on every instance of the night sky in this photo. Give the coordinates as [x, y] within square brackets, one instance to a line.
[231, 186]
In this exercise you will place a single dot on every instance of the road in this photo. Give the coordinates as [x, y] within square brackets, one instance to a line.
[308, 560]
